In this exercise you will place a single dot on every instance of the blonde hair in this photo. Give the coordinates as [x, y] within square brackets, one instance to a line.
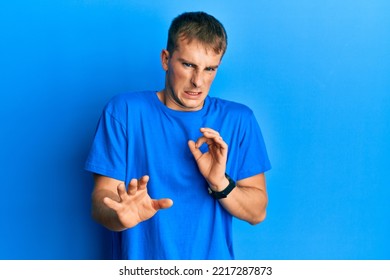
[197, 26]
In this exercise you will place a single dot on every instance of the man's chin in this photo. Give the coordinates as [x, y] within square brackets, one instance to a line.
[193, 106]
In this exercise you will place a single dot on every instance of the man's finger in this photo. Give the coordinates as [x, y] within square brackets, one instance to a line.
[212, 135]
[218, 140]
[163, 203]
[121, 189]
[209, 131]
[194, 150]
[112, 204]
[201, 140]
[143, 182]
[132, 187]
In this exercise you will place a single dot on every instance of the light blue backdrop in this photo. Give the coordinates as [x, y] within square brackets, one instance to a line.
[316, 73]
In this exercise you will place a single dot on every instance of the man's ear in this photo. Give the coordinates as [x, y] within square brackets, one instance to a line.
[164, 59]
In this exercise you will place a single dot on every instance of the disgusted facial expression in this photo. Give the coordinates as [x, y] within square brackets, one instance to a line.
[190, 71]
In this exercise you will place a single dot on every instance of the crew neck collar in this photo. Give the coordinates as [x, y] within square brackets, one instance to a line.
[181, 113]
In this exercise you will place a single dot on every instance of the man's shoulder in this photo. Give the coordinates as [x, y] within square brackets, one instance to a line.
[230, 106]
[127, 100]
[133, 96]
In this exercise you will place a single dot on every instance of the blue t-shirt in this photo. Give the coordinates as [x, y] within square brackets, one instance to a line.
[138, 135]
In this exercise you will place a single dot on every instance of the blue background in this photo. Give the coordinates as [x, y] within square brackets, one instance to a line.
[316, 74]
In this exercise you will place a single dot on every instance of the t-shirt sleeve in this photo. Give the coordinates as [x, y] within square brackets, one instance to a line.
[253, 156]
[109, 148]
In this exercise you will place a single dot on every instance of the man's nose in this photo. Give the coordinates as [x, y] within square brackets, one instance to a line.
[196, 79]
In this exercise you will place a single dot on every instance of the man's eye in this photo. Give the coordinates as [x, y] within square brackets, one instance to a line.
[211, 69]
[187, 64]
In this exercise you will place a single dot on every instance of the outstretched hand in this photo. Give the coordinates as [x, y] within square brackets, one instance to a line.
[212, 164]
[135, 205]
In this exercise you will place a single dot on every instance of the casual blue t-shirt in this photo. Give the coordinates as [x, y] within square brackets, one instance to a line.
[138, 135]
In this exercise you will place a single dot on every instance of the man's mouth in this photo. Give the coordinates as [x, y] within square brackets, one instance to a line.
[193, 93]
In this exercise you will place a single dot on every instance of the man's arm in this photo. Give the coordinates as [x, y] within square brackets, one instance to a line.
[248, 200]
[117, 208]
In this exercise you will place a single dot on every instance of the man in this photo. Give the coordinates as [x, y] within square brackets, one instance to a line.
[202, 159]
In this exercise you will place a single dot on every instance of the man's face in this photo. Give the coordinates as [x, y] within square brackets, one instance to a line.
[190, 71]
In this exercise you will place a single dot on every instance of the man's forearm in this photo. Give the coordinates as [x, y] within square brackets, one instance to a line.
[248, 200]
[246, 203]
[104, 215]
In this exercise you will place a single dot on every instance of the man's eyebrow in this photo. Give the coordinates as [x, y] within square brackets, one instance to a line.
[188, 61]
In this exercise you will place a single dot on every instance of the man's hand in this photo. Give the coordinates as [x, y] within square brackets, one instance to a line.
[212, 164]
[135, 205]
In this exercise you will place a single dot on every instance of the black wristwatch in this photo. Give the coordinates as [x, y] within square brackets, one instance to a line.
[226, 191]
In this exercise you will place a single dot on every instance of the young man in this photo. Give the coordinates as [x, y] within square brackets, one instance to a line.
[199, 158]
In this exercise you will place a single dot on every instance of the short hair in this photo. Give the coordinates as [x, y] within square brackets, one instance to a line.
[197, 26]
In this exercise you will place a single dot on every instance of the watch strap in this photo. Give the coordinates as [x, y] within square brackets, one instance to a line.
[224, 193]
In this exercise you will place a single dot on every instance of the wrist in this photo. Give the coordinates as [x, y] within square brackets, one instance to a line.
[220, 186]
[226, 189]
